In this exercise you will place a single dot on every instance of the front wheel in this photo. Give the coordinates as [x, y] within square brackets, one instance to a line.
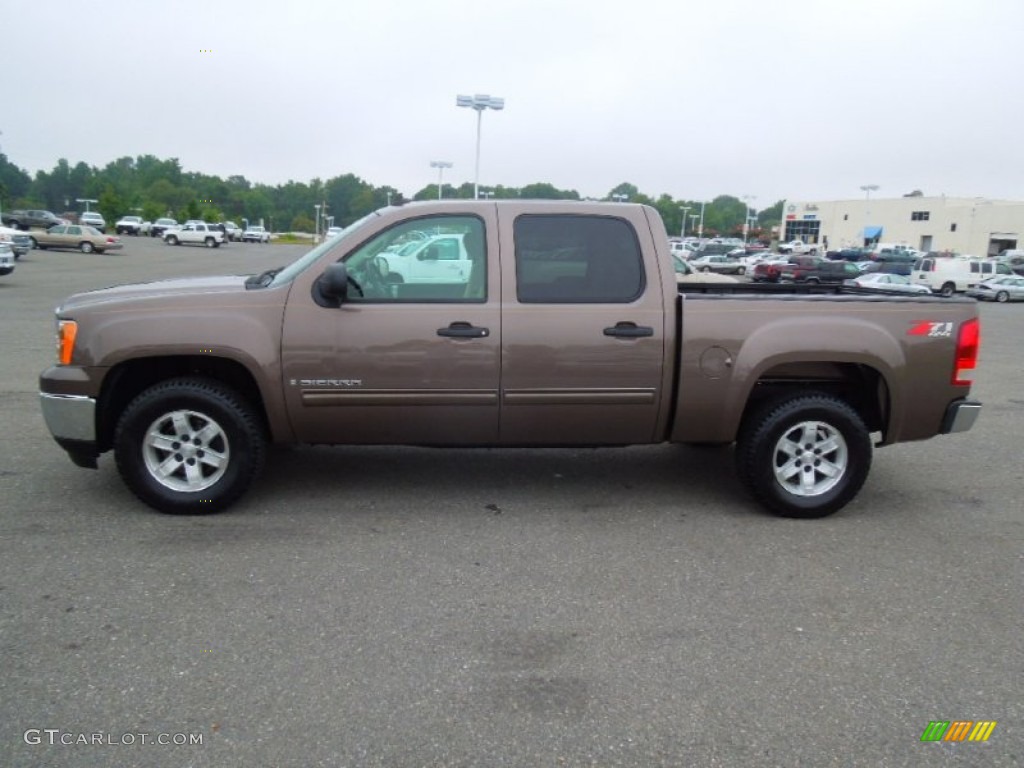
[189, 446]
[947, 290]
[741, 271]
[172, 240]
[804, 456]
[1002, 297]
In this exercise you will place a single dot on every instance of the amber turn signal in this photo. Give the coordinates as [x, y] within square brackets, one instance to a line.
[67, 330]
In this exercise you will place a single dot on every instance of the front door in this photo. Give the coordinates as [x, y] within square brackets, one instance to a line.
[400, 361]
[583, 330]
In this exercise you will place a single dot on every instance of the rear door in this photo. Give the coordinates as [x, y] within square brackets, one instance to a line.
[583, 329]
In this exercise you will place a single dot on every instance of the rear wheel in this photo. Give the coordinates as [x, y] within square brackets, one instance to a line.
[1002, 297]
[86, 247]
[189, 446]
[210, 242]
[741, 271]
[947, 290]
[805, 455]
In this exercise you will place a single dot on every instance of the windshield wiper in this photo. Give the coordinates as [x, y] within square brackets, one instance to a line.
[262, 280]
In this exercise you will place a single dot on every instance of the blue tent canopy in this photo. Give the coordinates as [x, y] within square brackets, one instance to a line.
[872, 233]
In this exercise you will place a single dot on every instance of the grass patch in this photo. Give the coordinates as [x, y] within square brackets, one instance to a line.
[290, 238]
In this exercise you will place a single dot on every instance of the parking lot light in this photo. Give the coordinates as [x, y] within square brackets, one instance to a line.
[440, 165]
[479, 102]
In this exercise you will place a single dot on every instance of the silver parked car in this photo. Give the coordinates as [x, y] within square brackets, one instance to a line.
[885, 281]
[723, 265]
[1003, 288]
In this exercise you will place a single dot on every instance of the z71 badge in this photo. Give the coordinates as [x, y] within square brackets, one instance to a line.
[932, 330]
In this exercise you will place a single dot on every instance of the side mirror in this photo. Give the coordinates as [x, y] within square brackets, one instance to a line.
[331, 288]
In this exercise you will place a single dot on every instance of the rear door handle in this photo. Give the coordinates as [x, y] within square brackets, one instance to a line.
[627, 330]
[464, 330]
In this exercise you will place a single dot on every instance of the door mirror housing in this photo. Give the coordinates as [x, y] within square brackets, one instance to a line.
[331, 288]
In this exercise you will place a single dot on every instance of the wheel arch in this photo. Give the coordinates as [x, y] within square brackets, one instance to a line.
[126, 380]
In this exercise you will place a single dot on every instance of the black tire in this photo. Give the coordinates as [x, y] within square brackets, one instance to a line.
[822, 420]
[171, 240]
[947, 290]
[741, 271]
[86, 247]
[210, 242]
[34, 243]
[199, 406]
[1002, 297]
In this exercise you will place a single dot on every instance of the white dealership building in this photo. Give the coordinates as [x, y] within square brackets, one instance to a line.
[976, 226]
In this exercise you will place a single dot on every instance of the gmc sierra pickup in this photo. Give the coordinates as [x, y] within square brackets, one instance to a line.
[565, 328]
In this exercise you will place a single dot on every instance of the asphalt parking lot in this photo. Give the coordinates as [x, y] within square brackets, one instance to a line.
[414, 607]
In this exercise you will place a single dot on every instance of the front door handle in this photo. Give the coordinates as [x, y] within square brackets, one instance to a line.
[627, 330]
[463, 330]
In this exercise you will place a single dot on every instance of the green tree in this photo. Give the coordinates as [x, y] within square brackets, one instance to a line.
[110, 204]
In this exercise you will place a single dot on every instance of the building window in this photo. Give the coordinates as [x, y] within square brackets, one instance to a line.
[952, 227]
[846, 216]
[919, 216]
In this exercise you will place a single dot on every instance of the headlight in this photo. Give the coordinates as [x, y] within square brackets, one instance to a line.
[67, 330]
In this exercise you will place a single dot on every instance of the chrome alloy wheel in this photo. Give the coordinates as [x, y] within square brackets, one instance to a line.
[810, 458]
[186, 451]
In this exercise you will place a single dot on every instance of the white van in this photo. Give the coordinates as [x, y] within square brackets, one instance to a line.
[948, 274]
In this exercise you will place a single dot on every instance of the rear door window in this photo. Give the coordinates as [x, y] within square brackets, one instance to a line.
[577, 259]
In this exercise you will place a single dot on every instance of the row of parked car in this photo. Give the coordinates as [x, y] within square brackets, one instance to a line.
[884, 267]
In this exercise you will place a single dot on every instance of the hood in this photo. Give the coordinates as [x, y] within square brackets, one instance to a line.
[176, 288]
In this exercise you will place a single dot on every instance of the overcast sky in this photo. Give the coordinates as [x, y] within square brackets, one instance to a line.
[782, 99]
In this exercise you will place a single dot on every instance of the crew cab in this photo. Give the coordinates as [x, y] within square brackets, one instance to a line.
[570, 329]
[195, 233]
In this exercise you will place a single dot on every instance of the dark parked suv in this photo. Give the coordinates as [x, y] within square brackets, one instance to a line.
[819, 271]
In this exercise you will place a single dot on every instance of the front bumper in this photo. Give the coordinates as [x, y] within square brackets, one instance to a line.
[71, 420]
[960, 416]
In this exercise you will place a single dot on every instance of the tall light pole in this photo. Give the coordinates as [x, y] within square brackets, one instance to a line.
[746, 216]
[867, 189]
[682, 230]
[479, 102]
[440, 165]
[317, 225]
[700, 232]
[693, 220]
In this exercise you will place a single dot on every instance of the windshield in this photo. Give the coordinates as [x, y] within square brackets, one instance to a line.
[298, 266]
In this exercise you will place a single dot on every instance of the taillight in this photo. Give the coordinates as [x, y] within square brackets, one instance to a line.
[67, 330]
[967, 341]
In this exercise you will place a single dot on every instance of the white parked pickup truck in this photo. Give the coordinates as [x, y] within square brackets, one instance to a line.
[798, 247]
[195, 234]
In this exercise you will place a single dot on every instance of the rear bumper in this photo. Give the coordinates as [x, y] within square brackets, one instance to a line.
[960, 416]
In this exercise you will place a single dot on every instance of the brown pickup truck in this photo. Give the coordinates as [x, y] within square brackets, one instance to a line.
[511, 323]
